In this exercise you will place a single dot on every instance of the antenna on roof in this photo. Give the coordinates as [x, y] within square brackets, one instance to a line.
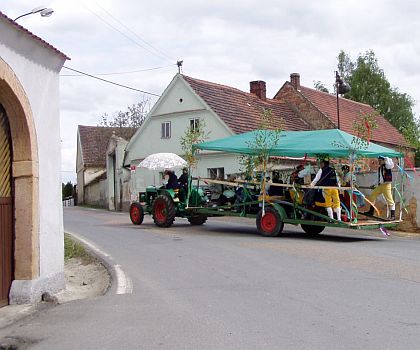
[179, 64]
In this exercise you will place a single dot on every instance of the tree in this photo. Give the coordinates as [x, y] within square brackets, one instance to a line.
[369, 85]
[318, 85]
[67, 189]
[134, 116]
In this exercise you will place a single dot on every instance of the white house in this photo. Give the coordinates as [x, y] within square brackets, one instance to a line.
[31, 217]
[225, 110]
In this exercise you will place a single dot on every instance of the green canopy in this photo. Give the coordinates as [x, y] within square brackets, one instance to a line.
[336, 143]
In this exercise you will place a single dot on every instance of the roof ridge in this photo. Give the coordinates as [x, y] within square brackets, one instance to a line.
[342, 98]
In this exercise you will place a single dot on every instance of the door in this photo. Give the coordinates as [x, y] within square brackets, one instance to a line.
[6, 210]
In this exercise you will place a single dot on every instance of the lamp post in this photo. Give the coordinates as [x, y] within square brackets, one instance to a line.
[43, 11]
[340, 88]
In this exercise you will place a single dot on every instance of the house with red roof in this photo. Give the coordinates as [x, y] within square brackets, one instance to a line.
[101, 179]
[225, 110]
[319, 109]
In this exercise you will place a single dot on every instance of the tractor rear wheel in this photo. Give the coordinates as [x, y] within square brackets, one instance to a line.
[197, 220]
[163, 211]
[269, 225]
[136, 213]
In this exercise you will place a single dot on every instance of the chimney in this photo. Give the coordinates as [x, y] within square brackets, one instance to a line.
[295, 80]
[258, 88]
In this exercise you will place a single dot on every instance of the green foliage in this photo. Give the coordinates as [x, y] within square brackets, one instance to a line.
[318, 85]
[67, 189]
[267, 136]
[363, 127]
[73, 249]
[369, 85]
[193, 134]
[134, 116]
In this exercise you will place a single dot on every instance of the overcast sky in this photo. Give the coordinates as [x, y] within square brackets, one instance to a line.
[228, 42]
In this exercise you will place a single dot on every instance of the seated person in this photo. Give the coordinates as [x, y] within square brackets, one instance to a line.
[296, 176]
[183, 179]
[276, 190]
[172, 180]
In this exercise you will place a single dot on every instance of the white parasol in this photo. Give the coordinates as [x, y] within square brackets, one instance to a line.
[162, 161]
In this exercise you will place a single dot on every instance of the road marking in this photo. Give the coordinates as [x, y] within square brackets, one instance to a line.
[124, 283]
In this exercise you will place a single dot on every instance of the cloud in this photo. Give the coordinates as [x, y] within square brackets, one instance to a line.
[227, 42]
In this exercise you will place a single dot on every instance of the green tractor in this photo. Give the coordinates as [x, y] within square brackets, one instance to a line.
[166, 204]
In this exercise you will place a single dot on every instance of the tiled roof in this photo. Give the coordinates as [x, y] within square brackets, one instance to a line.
[349, 111]
[43, 42]
[241, 111]
[94, 142]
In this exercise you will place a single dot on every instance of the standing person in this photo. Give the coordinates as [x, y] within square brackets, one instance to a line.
[384, 185]
[327, 176]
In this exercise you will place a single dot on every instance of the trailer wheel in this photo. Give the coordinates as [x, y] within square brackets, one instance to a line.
[312, 229]
[163, 211]
[136, 213]
[269, 225]
[197, 220]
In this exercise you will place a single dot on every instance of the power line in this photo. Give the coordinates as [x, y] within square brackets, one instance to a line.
[111, 82]
[118, 73]
[123, 34]
[132, 32]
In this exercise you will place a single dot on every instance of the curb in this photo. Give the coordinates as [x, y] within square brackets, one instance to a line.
[119, 281]
[103, 258]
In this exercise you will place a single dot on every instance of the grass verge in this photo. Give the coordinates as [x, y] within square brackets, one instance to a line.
[74, 249]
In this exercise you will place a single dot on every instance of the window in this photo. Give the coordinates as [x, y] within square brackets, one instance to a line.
[216, 173]
[166, 130]
[194, 123]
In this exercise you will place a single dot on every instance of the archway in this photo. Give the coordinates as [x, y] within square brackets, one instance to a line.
[24, 165]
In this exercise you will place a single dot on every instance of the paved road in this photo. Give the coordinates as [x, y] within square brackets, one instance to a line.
[221, 286]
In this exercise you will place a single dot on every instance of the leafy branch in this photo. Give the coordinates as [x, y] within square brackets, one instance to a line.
[193, 134]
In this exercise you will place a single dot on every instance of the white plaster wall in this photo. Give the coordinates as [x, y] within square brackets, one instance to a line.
[37, 69]
[170, 108]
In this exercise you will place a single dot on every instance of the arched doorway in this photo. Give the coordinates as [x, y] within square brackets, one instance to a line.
[6, 209]
[24, 177]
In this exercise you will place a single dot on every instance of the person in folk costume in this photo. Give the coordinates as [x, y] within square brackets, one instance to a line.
[384, 185]
[327, 176]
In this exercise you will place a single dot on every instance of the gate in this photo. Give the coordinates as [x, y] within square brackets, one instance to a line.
[6, 210]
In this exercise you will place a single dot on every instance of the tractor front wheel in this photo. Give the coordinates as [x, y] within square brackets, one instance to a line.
[136, 213]
[163, 211]
[269, 224]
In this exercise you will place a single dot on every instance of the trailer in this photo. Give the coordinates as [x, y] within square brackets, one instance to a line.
[270, 213]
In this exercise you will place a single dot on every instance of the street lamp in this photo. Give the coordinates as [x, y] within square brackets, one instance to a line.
[340, 88]
[44, 11]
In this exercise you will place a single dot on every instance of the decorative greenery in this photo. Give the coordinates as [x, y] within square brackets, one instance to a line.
[363, 127]
[194, 134]
[267, 136]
